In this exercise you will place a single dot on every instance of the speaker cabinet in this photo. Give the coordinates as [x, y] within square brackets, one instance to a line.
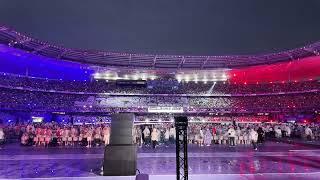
[120, 157]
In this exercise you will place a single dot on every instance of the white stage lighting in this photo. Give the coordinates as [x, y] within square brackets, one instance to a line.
[179, 78]
[153, 77]
[143, 76]
[186, 78]
[224, 76]
[135, 77]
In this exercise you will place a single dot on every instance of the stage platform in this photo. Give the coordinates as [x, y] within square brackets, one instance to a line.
[271, 161]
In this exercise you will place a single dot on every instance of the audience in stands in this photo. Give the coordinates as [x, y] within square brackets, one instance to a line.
[42, 101]
[101, 86]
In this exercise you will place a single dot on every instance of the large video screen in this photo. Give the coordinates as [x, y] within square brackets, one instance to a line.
[36, 119]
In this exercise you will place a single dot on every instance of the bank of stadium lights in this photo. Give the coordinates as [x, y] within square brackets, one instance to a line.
[205, 80]
[153, 77]
[143, 76]
[135, 77]
[179, 78]
[187, 78]
[224, 76]
[110, 76]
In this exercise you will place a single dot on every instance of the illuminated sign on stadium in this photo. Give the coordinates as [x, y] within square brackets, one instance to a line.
[165, 109]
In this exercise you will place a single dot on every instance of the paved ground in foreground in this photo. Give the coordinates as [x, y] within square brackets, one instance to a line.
[271, 161]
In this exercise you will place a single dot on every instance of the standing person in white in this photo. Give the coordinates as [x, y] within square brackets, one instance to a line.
[208, 137]
[232, 136]
[166, 137]
[254, 138]
[278, 132]
[308, 133]
[106, 135]
[1, 137]
[154, 137]
[288, 131]
[146, 133]
[172, 135]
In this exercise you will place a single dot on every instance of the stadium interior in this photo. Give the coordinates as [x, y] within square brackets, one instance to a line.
[58, 103]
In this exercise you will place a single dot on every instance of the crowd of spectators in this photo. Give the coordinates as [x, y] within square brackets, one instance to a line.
[101, 86]
[38, 100]
[34, 100]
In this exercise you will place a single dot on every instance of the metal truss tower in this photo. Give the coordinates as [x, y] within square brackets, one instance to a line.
[181, 124]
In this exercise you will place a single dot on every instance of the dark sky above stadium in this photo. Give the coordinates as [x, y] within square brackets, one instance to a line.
[197, 27]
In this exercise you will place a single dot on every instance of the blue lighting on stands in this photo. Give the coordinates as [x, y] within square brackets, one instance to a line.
[20, 62]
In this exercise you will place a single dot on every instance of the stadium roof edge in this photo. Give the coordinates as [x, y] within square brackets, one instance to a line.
[18, 40]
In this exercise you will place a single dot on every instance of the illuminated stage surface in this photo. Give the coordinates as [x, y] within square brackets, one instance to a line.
[271, 161]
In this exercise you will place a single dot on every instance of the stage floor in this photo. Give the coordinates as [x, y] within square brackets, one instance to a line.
[272, 160]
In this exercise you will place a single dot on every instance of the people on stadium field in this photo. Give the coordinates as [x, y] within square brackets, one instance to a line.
[208, 138]
[154, 137]
[167, 137]
[278, 132]
[106, 135]
[2, 137]
[260, 132]
[254, 138]
[308, 133]
[172, 133]
[146, 133]
[89, 137]
[53, 134]
[231, 135]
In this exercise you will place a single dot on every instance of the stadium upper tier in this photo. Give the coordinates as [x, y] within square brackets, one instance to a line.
[17, 40]
[154, 87]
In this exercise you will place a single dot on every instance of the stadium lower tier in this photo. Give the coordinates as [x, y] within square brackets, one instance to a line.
[13, 99]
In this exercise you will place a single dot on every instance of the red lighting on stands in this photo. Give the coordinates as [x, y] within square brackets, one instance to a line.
[304, 69]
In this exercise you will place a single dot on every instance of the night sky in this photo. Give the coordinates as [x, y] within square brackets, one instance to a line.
[195, 27]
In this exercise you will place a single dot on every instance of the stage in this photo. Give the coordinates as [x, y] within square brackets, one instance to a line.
[272, 160]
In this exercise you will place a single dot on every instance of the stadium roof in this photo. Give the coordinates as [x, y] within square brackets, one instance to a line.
[105, 58]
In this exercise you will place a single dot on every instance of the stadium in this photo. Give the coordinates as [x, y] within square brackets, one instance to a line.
[248, 116]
